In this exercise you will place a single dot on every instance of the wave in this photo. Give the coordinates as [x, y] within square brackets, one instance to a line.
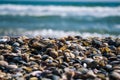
[51, 10]
[55, 33]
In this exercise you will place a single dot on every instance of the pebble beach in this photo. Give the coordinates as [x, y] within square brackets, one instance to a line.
[66, 58]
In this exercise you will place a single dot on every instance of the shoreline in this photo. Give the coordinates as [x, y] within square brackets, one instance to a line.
[65, 58]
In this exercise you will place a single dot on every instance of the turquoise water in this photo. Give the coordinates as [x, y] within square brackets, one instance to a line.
[24, 17]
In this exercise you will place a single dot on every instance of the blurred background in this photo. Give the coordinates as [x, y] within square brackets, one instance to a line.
[57, 18]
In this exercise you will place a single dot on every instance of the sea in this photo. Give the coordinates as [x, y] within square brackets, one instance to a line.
[59, 18]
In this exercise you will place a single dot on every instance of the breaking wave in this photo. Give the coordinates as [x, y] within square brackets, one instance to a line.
[51, 10]
[55, 33]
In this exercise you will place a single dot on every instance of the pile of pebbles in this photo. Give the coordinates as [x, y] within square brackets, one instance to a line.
[67, 58]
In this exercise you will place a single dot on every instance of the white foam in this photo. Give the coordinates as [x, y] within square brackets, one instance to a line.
[58, 34]
[33, 10]
[55, 33]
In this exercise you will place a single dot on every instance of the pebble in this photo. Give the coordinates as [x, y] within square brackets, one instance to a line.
[3, 63]
[67, 58]
[33, 78]
[115, 75]
[3, 40]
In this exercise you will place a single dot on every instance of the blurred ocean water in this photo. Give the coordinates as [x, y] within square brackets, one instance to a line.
[59, 18]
